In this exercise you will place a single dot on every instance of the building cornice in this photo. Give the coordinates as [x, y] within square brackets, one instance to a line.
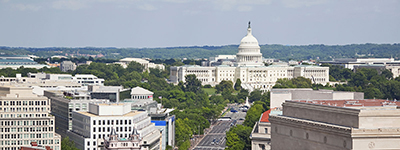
[309, 124]
[319, 107]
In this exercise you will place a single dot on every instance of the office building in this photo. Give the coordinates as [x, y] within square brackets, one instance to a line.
[278, 96]
[67, 66]
[64, 103]
[25, 118]
[92, 129]
[17, 61]
[336, 125]
[261, 134]
[374, 63]
[111, 93]
[165, 122]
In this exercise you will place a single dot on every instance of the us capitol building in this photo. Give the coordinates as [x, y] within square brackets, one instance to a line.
[248, 66]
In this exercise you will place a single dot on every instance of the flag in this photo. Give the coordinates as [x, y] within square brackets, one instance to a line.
[160, 97]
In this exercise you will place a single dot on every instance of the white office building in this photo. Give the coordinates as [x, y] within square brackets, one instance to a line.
[90, 129]
[25, 118]
[62, 108]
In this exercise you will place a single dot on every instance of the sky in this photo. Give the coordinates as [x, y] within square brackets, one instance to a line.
[170, 23]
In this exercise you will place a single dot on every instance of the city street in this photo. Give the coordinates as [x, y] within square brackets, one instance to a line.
[215, 139]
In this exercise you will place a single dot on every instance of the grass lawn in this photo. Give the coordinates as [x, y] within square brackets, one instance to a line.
[209, 91]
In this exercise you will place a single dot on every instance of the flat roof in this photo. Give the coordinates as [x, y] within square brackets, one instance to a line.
[111, 104]
[130, 114]
[352, 103]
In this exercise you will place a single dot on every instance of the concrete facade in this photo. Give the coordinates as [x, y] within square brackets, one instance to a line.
[43, 81]
[166, 124]
[25, 118]
[111, 93]
[278, 96]
[90, 129]
[63, 107]
[261, 134]
[336, 125]
[67, 66]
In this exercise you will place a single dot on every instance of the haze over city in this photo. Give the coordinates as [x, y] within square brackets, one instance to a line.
[168, 23]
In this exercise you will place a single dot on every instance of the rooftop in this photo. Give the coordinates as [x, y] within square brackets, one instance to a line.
[140, 91]
[353, 103]
[265, 115]
[130, 114]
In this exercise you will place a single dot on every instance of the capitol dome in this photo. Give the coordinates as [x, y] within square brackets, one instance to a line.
[249, 40]
[249, 51]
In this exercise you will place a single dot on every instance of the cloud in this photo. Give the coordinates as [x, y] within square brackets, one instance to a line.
[147, 7]
[244, 8]
[29, 7]
[5, 1]
[177, 1]
[69, 4]
[240, 5]
[302, 3]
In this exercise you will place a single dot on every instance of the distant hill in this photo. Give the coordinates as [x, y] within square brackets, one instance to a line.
[283, 52]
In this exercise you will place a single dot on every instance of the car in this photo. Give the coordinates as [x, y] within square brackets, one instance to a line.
[234, 111]
[241, 118]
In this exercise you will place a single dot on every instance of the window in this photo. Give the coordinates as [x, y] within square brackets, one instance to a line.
[266, 130]
[262, 146]
[88, 143]
[94, 122]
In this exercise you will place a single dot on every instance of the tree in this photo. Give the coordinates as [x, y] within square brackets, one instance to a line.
[66, 144]
[224, 85]
[387, 74]
[182, 133]
[253, 114]
[134, 66]
[331, 78]
[243, 94]
[256, 95]
[192, 84]
[238, 85]
[301, 82]
[237, 138]
[284, 83]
